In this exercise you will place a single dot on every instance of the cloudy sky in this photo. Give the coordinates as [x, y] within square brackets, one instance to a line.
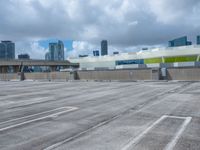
[127, 24]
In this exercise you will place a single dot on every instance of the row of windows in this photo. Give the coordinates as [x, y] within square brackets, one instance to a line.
[159, 60]
[127, 62]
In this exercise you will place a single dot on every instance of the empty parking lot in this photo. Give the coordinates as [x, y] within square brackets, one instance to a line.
[100, 115]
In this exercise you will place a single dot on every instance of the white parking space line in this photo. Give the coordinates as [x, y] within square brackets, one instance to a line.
[23, 94]
[38, 114]
[174, 140]
[51, 147]
[62, 111]
[24, 102]
[177, 117]
[139, 137]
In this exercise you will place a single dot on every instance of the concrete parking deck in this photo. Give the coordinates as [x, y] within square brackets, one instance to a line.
[100, 115]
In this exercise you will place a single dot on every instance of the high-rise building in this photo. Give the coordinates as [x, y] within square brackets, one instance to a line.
[189, 43]
[104, 47]
[198, 40]
[82, 56]
[60, 53]
[7, 50]
[56, 51]
[145, 48]
[23, 56]
[96, 53]
[115, 53]
[182, 41]
[47, 56]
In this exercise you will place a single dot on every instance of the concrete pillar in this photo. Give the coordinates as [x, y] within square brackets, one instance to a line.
[22, 76]
[163, 60]
[163, 73]
[52, 68]
[76, 77]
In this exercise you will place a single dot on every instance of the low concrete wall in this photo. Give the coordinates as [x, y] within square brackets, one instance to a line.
[9, 76]
[122, 75]
[49, 76]
[43, 76]
[129, 75]
[37, 76]
[64, 76]
[188, 74]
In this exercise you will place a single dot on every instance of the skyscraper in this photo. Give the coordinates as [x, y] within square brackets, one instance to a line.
[104, 47]
[52, 50]
[198, 40]
[96, 53]
[182, 41]
[23, 56]
[56, 51]
[47, 56]
[60, 55]
[7, 50]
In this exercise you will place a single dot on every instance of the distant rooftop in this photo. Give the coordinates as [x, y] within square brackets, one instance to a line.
[6, 41]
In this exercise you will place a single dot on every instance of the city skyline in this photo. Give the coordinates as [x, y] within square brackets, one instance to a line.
[56, 51]
[127, 25]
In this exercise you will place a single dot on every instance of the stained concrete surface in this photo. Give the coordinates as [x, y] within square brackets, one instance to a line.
[99, 115]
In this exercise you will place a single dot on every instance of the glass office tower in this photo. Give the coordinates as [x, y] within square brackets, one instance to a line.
[198, 40]
[182, 41]
[7, 50]
[56, 51]
[104, 47]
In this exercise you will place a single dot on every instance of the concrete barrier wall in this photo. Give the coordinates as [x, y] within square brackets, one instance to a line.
[9, 76]
[37, 76]
[188, 74]
[43, 76]
[137, 74]
[123, 75]
[49, 76]
[64, 76]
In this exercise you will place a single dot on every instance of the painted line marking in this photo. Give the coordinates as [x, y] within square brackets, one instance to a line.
[139, 137]
[174, 140]
[69, 109]
[25, 102]
[24, 94]
[37, 114]
[79, 134]
[177, 117]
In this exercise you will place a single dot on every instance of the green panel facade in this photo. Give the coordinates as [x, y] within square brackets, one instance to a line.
[153, 60]
[180, 59]
[171, 59]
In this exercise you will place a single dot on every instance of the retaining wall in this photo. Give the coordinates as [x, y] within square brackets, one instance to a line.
[123, 75]
[187, 74]
[9, 76]
[49, 76]
[43, 76]
[136, 74]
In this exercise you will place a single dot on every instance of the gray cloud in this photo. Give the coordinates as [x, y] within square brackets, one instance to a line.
[124, 23]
